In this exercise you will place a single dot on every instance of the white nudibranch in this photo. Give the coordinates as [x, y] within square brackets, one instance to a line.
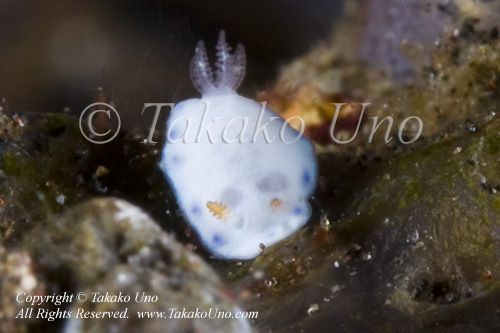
[241, 175]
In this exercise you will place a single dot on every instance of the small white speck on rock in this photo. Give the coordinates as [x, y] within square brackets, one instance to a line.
[258, 274]
[312, 308]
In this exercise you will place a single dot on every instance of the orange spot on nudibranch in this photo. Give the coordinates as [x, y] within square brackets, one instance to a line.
[275, 203]
[219, 210]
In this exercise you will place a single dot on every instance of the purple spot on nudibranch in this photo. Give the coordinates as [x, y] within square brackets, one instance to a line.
[297, 210]
[195, 210]
[175, 159]
[306, 177]
[218, 240]
[271, 234]
[173, 135]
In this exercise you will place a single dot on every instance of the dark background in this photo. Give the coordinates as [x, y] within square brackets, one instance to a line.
[55, 53]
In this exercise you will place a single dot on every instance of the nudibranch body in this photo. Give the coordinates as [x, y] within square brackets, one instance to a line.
[241, 175]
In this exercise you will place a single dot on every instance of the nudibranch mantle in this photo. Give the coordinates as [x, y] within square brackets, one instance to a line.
[246, 190]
